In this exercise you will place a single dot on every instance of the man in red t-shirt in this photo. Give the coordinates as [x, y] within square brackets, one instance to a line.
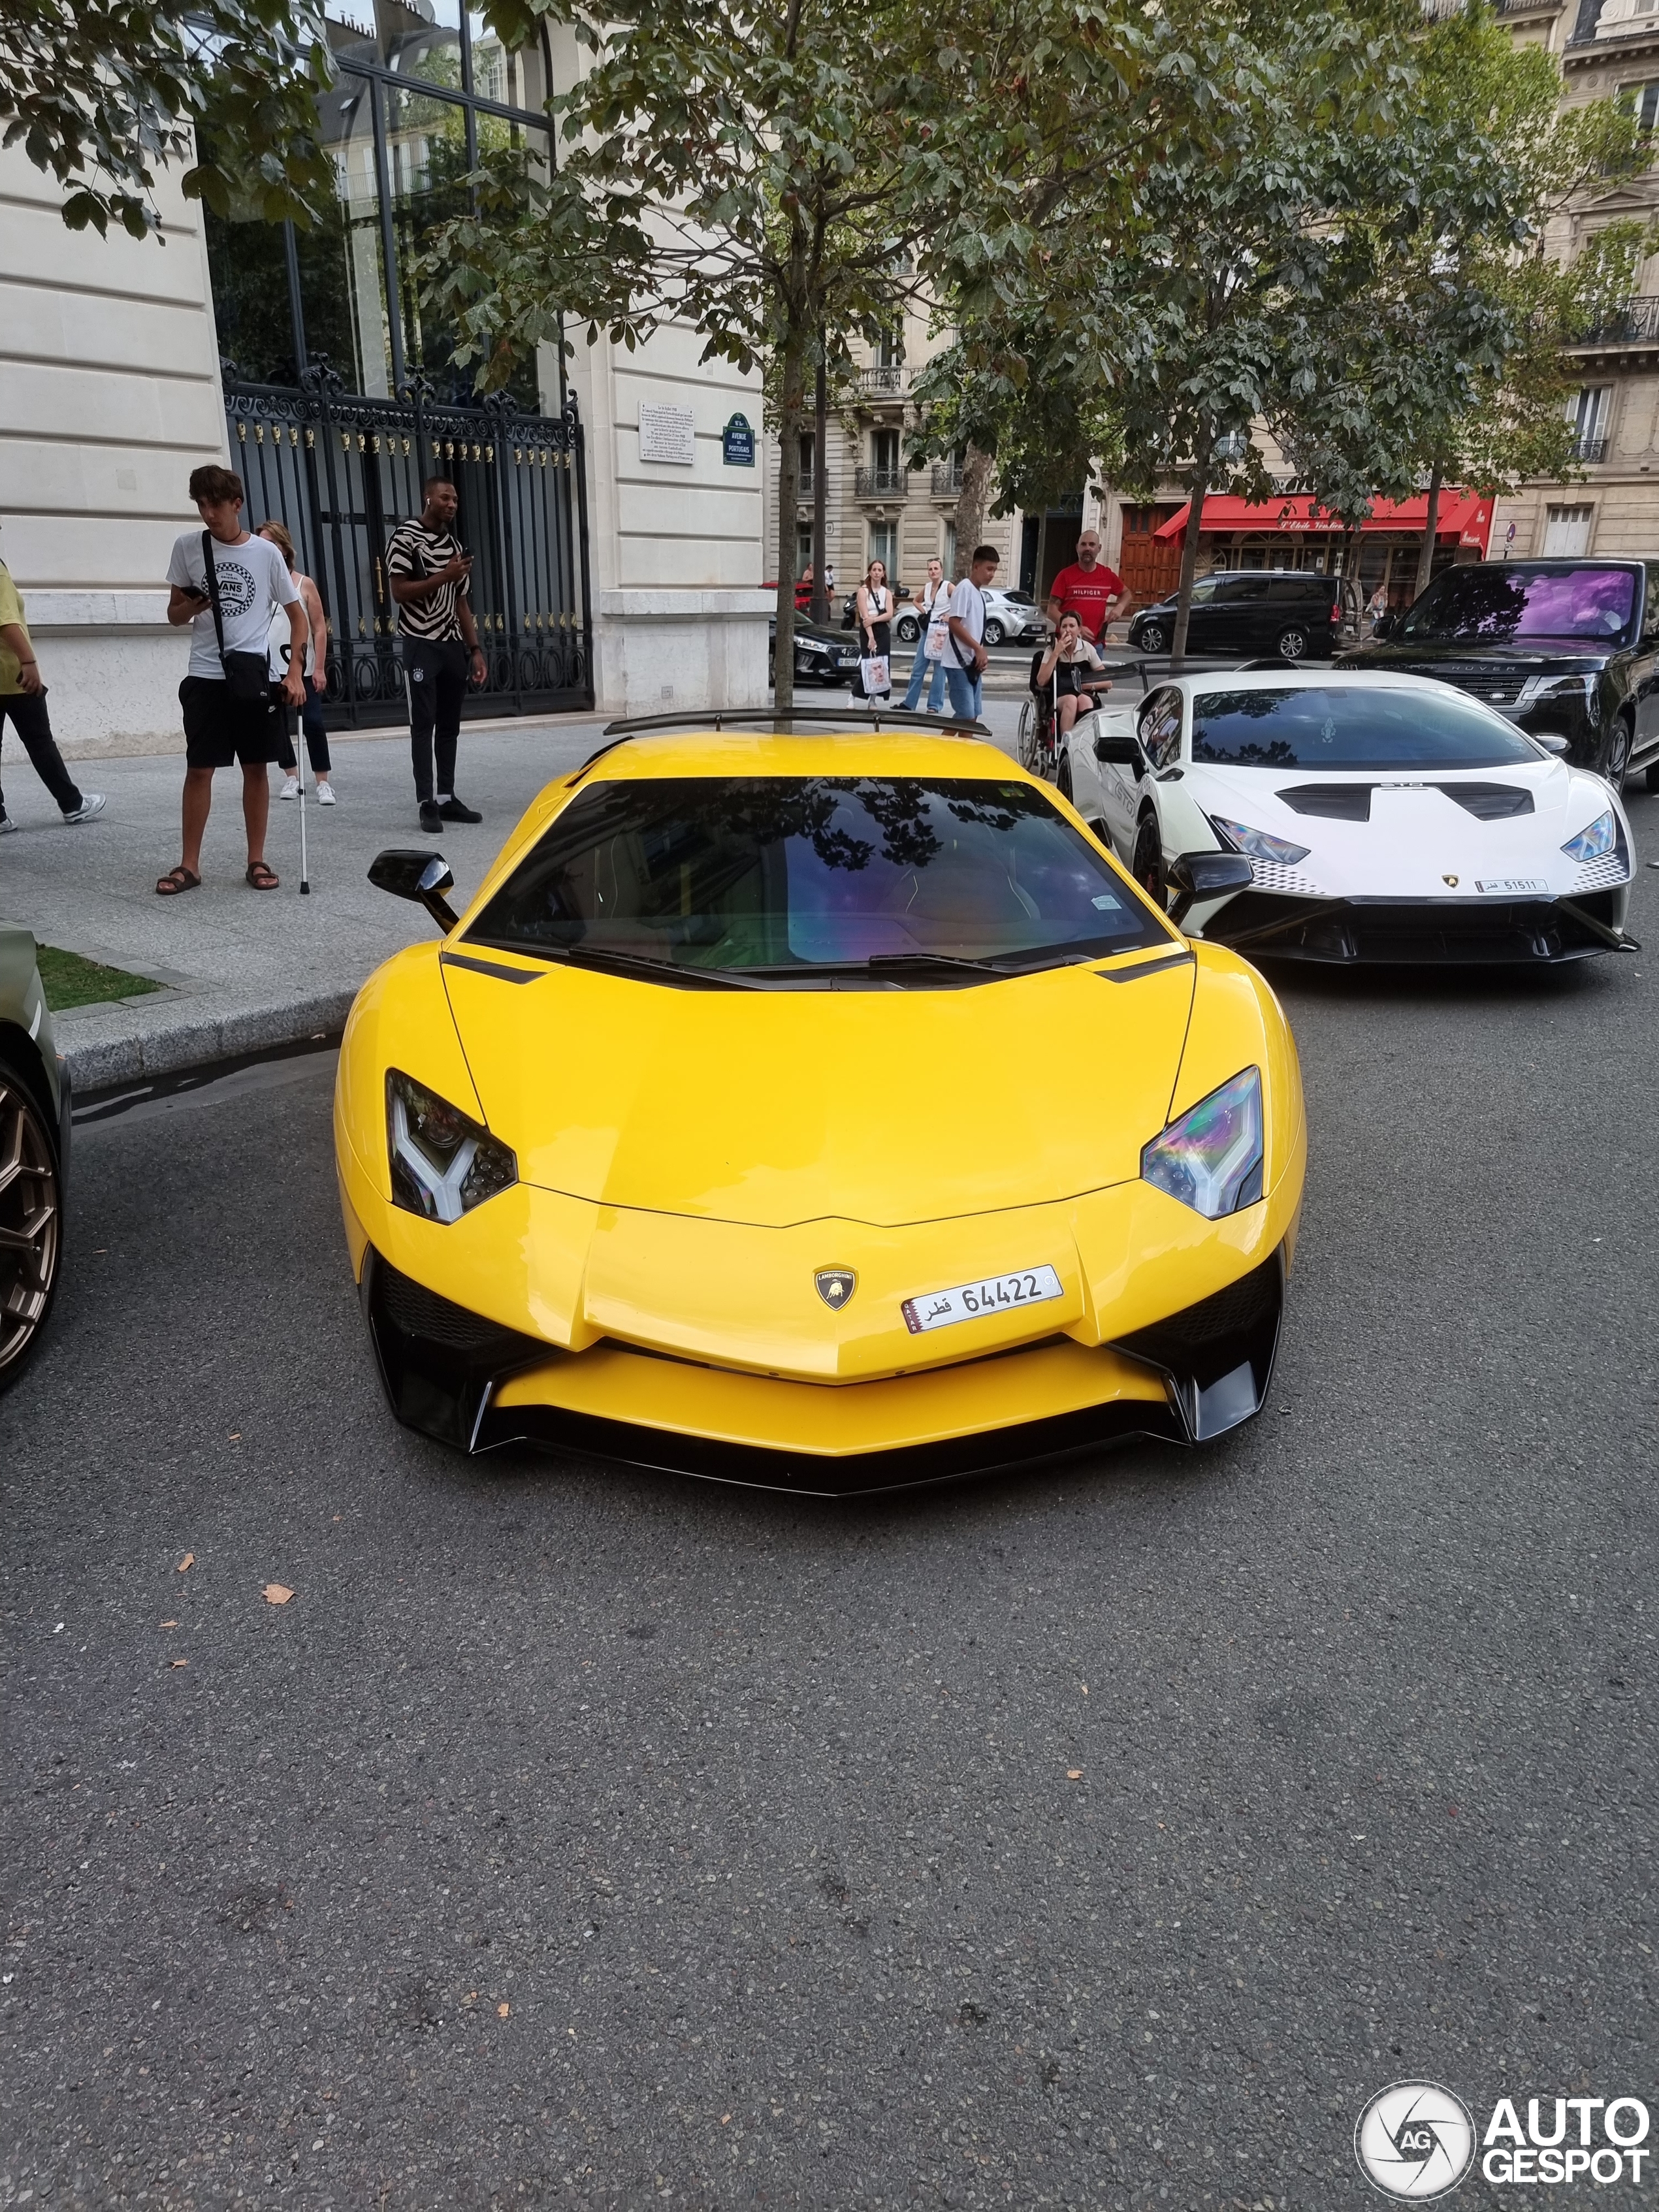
[1087, 589]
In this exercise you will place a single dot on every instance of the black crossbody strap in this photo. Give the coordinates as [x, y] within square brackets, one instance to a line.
[213, 590]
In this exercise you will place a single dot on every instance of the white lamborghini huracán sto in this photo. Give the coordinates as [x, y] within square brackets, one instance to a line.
[1385, 818]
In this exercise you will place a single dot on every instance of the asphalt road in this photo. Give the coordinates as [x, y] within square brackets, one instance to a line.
[1101, 1838]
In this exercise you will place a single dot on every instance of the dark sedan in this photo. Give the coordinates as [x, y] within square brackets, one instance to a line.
[822, 655]
[1567, 649]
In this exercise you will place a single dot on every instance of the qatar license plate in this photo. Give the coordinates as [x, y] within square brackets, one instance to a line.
[1511, 886]
[1030, 1287]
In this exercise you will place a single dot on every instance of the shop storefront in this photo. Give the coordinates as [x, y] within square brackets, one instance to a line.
[1292, 533]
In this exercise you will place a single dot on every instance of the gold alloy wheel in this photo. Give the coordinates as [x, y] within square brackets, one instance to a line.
[30, 1216]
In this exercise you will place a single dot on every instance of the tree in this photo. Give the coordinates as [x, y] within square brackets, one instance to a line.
[105, 94]
[774, 183]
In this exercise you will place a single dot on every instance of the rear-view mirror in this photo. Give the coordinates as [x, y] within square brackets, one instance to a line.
[1384, 626]
[1196, 875]
[423, 877]
[1551, 741]
[1119, 751]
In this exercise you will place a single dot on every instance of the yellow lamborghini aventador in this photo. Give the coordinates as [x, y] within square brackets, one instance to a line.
[824, 1109]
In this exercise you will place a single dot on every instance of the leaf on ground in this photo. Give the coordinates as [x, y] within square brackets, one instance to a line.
[177, 1662]
[502, 2010]
[277, 1593]
[186, 1562]
[1074, 1774]
[169, 1624]
[725, 2119]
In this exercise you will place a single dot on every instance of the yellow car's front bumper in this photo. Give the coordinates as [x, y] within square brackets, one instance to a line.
[703, 1346]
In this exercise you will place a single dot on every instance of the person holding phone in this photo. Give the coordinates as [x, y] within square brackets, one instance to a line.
[428, 570]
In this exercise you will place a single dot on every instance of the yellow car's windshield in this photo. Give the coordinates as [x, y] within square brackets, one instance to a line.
[770, 876]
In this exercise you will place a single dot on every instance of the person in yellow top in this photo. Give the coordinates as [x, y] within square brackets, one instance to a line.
[23, 700]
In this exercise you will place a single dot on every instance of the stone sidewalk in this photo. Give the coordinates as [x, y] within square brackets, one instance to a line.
[245, 972]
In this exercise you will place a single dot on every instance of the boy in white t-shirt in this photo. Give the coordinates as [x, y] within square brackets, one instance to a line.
[221, 726]
[964, 665]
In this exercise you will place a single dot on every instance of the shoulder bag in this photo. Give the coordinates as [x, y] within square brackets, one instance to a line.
[247, 674]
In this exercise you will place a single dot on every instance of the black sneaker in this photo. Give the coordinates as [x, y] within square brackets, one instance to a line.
[431, 822]
[455, 810]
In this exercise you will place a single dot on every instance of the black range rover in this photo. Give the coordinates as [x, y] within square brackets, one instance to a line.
[1564, 648]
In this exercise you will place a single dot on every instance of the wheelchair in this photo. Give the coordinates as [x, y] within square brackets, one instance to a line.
[1038, 745]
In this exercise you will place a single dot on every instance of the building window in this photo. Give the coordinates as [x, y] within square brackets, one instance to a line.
[803, 549]
[1567, 531]
[1642, 100]
[884, 545]
[419, 95]
[1588, 411]
[948, 552]
[809, 445]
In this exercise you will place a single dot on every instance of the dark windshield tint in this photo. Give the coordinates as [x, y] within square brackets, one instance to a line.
[1357, 728]
[775, 872]
[1491, 602]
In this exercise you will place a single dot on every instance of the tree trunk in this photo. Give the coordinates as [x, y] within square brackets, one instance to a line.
[972, 500]
[1190, 555]
[1426, 558]
[820, 441]
[790, 399]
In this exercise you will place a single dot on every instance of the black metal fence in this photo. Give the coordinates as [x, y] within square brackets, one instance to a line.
[340, 472]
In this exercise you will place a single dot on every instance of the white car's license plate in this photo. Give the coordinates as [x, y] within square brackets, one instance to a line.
[1510, 886]
[1031, 1286]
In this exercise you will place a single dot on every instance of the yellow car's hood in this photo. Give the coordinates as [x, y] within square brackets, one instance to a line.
[779, 1107]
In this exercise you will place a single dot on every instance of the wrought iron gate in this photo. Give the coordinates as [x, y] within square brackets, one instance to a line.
[342, 472]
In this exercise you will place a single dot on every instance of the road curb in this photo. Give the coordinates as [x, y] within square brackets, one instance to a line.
[197, 1040]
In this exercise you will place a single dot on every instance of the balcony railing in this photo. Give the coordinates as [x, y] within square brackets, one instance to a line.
[1589, 450]
[880, 483]
[889, 380]
[1636, 323]
[947, 479]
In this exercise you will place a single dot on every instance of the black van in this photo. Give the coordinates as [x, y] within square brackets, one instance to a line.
[1251, 611]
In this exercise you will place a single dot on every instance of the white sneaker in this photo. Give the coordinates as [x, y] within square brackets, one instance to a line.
[290, 789]
[92, 802]
[324, 792]
[6, 822]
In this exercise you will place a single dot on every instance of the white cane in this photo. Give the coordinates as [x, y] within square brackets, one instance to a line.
[301, 753]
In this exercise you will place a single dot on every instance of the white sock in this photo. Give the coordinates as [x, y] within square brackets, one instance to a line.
[444, 798]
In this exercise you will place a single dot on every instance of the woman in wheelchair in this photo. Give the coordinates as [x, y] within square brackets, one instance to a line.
[1071, 673]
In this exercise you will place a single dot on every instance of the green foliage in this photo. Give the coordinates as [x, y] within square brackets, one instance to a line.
[105, 94]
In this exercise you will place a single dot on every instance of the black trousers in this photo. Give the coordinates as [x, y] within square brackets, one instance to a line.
[27, 710]
[437, 684]
[316, 730]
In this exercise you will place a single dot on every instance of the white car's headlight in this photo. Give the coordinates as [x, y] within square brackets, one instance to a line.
[1212, 1158]
[1258, 844]
[1590, 844]
[443, 1163]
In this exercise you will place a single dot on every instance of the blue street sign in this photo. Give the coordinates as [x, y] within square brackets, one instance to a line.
[737, 443]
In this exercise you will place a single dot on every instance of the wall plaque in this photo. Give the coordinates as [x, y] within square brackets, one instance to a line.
[668, 434]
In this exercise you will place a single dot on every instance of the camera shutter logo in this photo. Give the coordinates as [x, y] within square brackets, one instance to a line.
[1415, 2141]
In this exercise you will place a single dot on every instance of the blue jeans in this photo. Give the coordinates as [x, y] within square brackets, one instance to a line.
[964, 692]
[918, 677]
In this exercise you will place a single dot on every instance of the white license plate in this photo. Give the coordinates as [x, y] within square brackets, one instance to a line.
[1031, 1286]
[1510, 886]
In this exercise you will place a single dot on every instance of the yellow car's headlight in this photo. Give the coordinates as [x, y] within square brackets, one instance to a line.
[1212, 1158]
[443, 1163]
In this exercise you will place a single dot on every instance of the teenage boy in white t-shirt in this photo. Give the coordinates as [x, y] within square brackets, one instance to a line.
[220, 728]
[964, 666]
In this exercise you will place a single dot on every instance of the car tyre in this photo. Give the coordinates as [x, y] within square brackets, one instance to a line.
[1147, 865]
[30, 1221]
[1293, 643]
[907, 629]
[1615, 759]
[1152, 639]
[1063, 776]
[993, 633]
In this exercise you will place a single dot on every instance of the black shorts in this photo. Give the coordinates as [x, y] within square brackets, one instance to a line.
[219, 730]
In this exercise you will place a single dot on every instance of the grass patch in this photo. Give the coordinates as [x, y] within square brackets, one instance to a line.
[69, 981]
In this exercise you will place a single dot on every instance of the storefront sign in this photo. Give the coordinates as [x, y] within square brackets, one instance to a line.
[737, 443]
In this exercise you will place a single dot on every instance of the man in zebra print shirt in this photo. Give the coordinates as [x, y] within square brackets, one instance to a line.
[427, 569]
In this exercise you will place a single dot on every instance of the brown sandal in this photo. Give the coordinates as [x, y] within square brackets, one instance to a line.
[176, 880]
[261, 878]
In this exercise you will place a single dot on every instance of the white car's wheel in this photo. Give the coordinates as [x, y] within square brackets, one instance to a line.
[993, 632]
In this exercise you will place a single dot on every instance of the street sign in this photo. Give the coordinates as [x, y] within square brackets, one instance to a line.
[737, 443]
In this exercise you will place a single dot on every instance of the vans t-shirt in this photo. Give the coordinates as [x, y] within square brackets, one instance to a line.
[254, 581]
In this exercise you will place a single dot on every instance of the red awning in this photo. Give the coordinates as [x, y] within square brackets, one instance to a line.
[1462, 516]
